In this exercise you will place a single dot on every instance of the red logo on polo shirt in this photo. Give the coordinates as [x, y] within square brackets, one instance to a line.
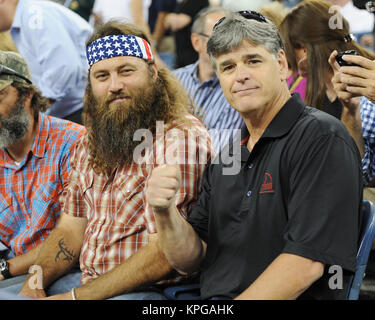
[267, 186]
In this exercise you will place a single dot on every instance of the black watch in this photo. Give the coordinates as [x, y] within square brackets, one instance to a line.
[4, 269]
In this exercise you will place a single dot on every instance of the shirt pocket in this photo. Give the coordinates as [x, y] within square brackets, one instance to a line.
[107, 235]
[45, 206]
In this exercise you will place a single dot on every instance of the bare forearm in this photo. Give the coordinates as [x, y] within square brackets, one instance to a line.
[136, 9]
[146, 266]
[58, 255]
[20, 265]
[286, 278]
[159, 30]
[353, 123]
[181, 245]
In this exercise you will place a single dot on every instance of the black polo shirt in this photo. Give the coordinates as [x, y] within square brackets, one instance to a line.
[299, 192]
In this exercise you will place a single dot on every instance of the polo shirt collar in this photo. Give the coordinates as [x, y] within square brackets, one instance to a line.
[283, 121]
[280, 125]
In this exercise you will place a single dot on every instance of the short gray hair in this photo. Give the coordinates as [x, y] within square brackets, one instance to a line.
[200, 19]
[230, 33]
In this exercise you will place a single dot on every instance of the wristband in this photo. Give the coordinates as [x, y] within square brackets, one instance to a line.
[73, 294]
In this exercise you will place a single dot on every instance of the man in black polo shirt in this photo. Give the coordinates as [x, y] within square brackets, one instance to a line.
[272, 228]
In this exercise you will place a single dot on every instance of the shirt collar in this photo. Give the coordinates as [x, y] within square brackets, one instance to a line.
[283, 121]
[40, 140]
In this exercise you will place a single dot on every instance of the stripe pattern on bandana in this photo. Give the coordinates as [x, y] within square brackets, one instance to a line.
[118, 45]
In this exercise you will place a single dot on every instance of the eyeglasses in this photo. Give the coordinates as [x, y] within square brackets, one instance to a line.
[246, 14]
[11, 72]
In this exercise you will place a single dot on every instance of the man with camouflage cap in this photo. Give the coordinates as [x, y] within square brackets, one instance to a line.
[34, 167]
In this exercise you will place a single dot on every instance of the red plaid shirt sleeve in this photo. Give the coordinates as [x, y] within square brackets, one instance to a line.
[74, 203]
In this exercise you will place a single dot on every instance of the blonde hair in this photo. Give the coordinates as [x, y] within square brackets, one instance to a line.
[275, 11]
[6, 42]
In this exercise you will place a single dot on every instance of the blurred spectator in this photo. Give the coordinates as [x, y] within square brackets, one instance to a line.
[82, 7]
[163, 40]
[237, 5]
[129, 11]
[180, 23]
[276, 12]
[290, 3]
[51, 38]
[203, 86]
[361, 22]
[309, 51]
[361, 4]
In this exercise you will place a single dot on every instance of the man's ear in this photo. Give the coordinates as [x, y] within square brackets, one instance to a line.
[196, 41]
[154, 71]
[283, 65]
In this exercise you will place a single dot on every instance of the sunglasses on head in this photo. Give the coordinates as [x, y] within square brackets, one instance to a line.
[11, 72]
[248, 14]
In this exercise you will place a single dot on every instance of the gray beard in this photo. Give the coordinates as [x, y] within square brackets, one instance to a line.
[15, 126]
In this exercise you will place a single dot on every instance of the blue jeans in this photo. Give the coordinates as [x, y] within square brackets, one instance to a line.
[11, 287]
[66, 283]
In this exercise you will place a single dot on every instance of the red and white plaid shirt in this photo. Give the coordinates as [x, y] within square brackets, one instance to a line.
[119, 218]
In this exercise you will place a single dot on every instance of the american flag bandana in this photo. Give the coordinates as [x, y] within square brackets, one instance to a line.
[118, 45]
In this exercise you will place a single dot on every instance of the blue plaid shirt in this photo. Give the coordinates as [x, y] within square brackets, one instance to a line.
[30, 190]
[368, 133]
[213, 107]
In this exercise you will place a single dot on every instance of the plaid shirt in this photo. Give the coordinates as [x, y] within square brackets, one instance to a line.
[30, 190]
[119, 220]
[368, 132]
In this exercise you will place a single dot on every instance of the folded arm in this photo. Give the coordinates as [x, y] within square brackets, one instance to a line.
[286, 278]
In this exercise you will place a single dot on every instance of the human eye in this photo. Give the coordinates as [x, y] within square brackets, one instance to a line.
[253, 61]
[227, 68]
[101, 76]
[126, 71]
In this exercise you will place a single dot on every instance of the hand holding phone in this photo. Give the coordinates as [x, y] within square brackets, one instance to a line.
[342, 62]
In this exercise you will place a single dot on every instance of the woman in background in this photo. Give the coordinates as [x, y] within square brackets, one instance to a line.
[310, 37]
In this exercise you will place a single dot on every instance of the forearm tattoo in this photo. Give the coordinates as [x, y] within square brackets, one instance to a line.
[66, 254]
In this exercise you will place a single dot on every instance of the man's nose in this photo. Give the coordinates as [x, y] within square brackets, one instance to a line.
[242, 73]
[115, 85]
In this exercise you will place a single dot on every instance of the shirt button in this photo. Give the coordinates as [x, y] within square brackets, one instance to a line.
[250, 166]
[248, 193]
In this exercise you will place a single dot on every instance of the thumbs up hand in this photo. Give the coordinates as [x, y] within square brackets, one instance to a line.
[162, 187]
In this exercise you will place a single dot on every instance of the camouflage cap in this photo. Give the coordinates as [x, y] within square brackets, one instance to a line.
[17, 63]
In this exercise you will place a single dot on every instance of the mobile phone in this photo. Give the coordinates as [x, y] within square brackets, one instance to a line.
[341, 62]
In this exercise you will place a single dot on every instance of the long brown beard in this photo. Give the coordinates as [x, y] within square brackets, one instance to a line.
[111, 128]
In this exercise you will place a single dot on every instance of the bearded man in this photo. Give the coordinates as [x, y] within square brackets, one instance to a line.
[137, 119]
[34, 167]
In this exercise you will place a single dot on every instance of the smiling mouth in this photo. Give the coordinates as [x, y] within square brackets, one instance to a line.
[119, 100]
[245, 91]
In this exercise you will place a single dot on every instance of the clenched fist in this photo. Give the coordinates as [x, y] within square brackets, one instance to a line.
[162, 186]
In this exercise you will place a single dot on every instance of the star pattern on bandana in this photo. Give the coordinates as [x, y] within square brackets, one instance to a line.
[117, 45]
